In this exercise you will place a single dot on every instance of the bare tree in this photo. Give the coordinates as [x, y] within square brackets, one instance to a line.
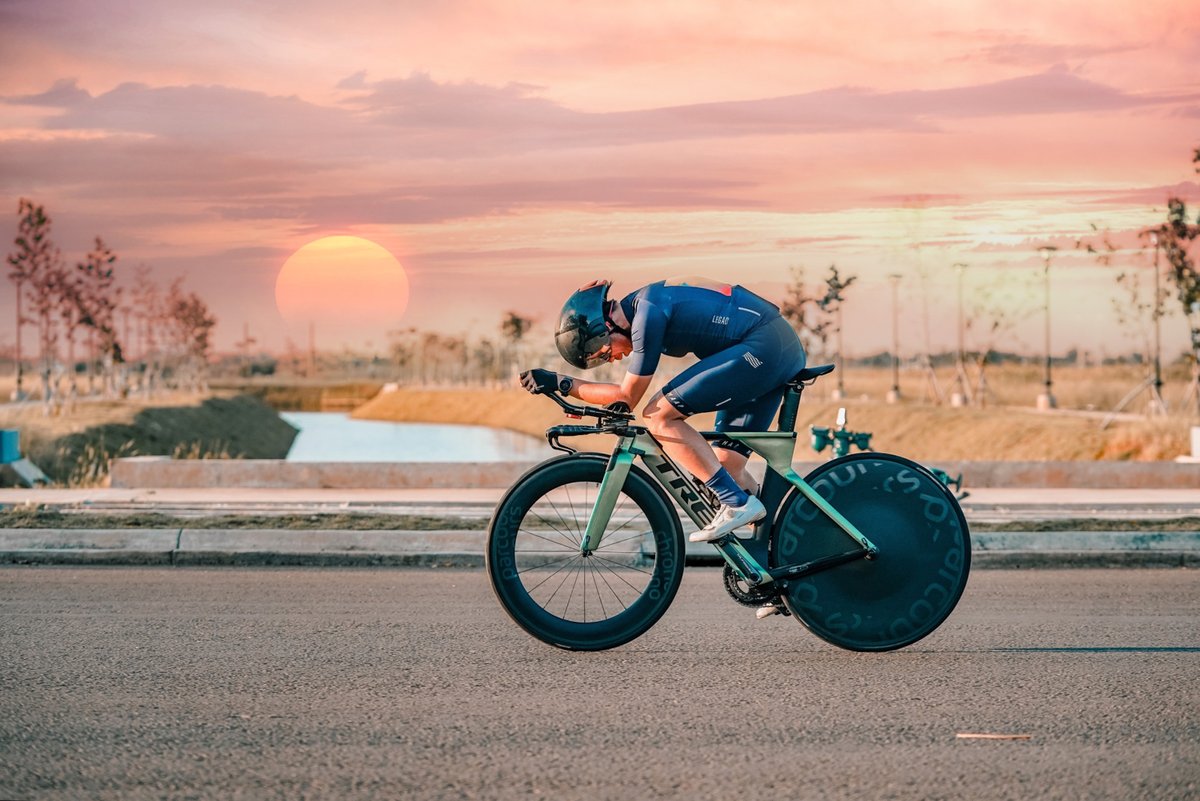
[70, 312]
[801, 307]
[147, 299]
[1174, 240]
[189, 326]
[36, 268]
[831, 304]
[97, 304]
[994, 313]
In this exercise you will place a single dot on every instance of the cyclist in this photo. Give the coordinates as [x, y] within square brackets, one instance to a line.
[746, 351]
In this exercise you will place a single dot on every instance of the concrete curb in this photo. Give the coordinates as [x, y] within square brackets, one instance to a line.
[464, 548]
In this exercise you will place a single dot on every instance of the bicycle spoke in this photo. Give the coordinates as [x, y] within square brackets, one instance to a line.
[607, 544]
[566, 535]
[577, 539]
[565, 562]
[609, 585]
[612, 568]
[550, 600]
[575, 584]
[629, 520]
[599, 596]
[570, 546]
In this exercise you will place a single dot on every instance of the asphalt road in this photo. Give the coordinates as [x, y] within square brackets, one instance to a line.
[125, 683]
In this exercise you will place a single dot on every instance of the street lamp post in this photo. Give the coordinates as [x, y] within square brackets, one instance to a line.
[1156, 401]
[963, 396]
[18, 394]
[894, 395]
[1046, 399]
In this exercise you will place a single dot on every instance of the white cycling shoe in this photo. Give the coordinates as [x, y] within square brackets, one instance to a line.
[728, 518]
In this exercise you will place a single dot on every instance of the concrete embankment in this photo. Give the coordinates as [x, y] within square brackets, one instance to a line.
[266, 473]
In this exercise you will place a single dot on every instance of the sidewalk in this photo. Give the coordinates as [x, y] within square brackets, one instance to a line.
[464, 547]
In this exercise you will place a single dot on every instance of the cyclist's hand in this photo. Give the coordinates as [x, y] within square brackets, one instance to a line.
[539, 382]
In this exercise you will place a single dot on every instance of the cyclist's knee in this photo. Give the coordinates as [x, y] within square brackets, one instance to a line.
[659, 413]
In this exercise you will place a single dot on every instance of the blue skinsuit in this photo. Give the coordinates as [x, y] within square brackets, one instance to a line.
[747, 351]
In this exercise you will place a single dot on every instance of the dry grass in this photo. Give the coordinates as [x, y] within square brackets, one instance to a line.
[913, 428]
[1008, 429]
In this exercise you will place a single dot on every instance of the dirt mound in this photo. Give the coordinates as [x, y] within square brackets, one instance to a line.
[238, 427]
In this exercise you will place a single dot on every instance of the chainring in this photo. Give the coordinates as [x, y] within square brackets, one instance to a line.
[747, 596]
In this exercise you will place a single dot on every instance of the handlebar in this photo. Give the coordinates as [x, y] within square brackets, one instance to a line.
[608, 421]
[605, 415]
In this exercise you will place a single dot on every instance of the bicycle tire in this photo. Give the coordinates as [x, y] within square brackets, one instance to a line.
[910, 587]
[533, 557]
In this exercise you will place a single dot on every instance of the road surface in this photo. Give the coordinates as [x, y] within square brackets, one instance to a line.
[127, 683]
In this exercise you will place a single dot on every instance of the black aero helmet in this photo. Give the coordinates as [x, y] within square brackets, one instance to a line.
[582, 328]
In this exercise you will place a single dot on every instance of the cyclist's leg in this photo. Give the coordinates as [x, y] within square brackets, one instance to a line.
[682, 443]
[756, 415]
[743, 384]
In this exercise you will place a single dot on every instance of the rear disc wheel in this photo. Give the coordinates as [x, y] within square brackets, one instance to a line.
[915, 581]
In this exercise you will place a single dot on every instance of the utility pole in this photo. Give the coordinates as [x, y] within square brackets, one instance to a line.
[312, 349]
[1046, 399]
[963, 396]
[1157, 405]
[244, 346]
[894, 395]
[19, 392]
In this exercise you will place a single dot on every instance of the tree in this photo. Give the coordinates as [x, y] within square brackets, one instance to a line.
[70, 311]
[514, 327]
[1174, 240]
[190, 325]
[831, 304]
[816, 317]
[147, 300]
[35, 267]
[993, 315]
[802, 309]
[97, 304]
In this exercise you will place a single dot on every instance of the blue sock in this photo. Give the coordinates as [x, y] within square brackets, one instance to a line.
[727, 490]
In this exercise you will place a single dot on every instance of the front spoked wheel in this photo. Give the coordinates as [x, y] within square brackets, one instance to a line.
[569, 599]
[924, 558]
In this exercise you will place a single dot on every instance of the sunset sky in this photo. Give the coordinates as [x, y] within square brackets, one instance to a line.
[508, 151]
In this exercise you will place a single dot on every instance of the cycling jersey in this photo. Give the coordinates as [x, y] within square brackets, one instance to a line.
[747, 350]
[689, 315]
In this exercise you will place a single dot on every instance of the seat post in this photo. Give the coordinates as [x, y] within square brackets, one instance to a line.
[791, 405]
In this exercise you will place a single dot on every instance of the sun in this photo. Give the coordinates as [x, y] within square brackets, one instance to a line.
[344, 289]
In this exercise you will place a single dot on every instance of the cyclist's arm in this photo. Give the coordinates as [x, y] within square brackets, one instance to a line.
[629, 391]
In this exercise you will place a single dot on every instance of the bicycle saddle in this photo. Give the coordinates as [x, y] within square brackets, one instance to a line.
[808, 374]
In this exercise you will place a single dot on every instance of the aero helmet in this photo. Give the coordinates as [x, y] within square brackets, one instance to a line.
[582, 328]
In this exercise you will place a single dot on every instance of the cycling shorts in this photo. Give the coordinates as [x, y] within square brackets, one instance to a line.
[743, 384]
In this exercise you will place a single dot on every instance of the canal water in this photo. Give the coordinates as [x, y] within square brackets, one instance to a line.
[335, 437]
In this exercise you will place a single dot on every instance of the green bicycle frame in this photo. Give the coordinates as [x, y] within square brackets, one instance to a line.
[776, 447]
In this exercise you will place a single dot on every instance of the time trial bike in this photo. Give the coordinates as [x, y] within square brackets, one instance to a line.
[870, 551]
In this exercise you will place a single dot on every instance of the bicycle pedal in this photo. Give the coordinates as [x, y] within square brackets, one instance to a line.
[764, 612]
